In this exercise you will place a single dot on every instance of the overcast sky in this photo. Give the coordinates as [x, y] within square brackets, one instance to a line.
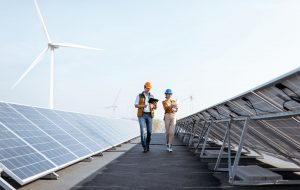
[211, 50]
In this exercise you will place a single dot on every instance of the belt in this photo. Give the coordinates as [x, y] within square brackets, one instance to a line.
[147, 112]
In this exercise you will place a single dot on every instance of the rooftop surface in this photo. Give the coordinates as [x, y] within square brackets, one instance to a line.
[159, 169]
[127, 167]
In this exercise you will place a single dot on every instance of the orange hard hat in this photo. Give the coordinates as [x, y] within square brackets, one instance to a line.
[148, 85]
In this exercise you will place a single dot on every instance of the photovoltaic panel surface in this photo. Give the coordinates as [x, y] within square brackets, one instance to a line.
[109, 135]
[34, 136]
[59, 118]
[19, 159]
[113, 126]
[37, 141]
[99, 136]
[71, 138]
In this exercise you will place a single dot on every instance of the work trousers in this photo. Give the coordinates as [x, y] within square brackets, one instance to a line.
[170, 122]
[145, 129]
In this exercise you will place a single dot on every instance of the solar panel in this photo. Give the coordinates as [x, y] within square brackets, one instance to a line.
[19, 159]
[272, 114]
[57, 118]
[35, 136]
[81, 123]
[284, 94]
[114, 128]
[107, 135]
[57, 132]
[280, 132]
[37, 141]
[254, 105]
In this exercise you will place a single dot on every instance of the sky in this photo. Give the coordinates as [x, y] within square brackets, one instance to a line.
[211, 50]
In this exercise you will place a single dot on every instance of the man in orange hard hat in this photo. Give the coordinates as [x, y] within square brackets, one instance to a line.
[145, 114]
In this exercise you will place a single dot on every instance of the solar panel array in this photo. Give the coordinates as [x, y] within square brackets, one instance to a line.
[36, 141]
[273, 114]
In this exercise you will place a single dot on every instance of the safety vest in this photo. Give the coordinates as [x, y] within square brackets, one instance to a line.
[168, 109]
[142, 102]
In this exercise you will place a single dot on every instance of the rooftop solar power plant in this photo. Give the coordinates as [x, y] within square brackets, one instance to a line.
[264, 120]
[35, 142]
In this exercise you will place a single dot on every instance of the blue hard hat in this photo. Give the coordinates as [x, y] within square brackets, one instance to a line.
[168, 91]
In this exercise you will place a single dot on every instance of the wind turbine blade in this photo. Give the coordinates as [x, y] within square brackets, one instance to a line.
[33, 64]
[42, 21]
[70, 45]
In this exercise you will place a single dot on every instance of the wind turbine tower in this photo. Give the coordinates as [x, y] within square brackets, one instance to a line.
[190, 98]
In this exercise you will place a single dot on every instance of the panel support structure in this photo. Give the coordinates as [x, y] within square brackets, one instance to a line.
[53, 176]
[227, 136]
[203, 131]
[206, 138]
[191, 137]
[232, 169]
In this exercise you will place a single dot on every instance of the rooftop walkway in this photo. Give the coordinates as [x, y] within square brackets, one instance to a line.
[159, 169]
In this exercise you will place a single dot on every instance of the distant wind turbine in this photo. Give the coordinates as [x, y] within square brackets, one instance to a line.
[191, 98]
[51, 46]
[114, 105]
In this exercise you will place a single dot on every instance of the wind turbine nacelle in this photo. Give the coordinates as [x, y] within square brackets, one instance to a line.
[52, 46]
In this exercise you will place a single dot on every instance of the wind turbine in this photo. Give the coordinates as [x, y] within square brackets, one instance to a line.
[51, 46]
[114, 105]
[191, 98]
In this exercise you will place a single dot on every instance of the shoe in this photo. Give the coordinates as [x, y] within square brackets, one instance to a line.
[148, 148]
[144, 149]
[170, 149]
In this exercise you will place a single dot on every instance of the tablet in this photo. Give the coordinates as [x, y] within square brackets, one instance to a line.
[153, 100]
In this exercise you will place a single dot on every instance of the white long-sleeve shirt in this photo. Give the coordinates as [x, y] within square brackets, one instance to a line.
[146, 109]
